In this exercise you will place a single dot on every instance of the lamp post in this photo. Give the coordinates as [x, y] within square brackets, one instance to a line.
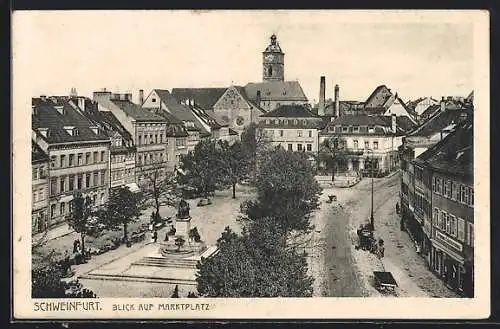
[370, 160]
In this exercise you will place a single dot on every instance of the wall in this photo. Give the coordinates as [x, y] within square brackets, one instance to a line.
[40, 196]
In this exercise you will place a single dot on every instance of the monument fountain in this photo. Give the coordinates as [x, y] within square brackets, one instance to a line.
[168, 261]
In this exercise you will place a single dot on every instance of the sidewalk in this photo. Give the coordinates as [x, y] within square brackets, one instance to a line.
[54, 233]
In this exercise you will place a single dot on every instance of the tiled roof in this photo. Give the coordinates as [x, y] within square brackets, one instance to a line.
[37, 154]
[290, 111]
[203, 97]
[47, 116]
[176, 130]
[179, 111]
[136, 112]
[454, 154]
[276, 90]
[243, 93]
[207, 119]
[438, 122]
[430, 111]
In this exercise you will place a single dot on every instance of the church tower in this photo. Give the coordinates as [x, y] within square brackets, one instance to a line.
[273, 62]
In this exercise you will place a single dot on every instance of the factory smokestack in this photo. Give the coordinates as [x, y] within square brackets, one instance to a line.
[337, 102]
[321, 105]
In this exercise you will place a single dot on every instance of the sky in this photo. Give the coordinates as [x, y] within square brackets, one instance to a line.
[414, 54]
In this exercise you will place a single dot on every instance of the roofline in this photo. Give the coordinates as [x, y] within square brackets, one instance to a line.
[81, 142]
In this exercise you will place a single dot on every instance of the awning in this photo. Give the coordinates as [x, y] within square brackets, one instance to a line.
[66, 198]
[133, 187]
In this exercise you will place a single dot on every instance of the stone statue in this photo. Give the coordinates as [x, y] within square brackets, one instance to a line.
[183, 209]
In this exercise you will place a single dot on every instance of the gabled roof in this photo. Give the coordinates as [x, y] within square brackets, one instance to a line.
[136, 112]
[454, 154]
[47, 116]
[203, 97]
[243, 94]
[430, 111]
[439, 121]
[201, 114]
[290, 111]
[378, 92]
[276, 90]
[178, 112]
[37, 154]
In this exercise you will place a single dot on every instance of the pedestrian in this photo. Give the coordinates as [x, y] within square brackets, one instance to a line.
[76, 246]
[155, 236]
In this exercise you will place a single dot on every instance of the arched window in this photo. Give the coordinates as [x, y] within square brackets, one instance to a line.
[270, 70]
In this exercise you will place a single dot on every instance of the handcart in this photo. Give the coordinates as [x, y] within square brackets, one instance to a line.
[385, 282]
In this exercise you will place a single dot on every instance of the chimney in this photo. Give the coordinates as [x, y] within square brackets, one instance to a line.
[337, 101]
[257, 98]
[141, 97]
[321, 105]
[81, 103]
[393, 123]
[443, 104]
[43, 97]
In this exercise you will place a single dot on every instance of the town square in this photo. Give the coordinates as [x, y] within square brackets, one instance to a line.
[280, 172]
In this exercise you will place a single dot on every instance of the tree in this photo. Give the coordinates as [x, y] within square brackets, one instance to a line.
[46, 283]
[253, 144]
[286, 190]
[82, 218]
[202, 168]
[159, 184]
[234, 162]
[331, 153]
[122, 209]
[254, 264]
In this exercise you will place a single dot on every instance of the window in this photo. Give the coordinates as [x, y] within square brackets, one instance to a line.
[435, 217]
[461, 229]
[355, 129]
[281, 133]
[153, 100]
[345, 129]
[471, 196]
[87, 179]
[62, 162]
[156, 138]
[161, 138]
[150, 138]
[299, 133]
[139, 140]
[96, 178]
[71, 182]
[438, 185]
[103, 173]
[447, 188]
[53, 161]
[62, 183]
[454, 190]
[102, 155]
[52, 210]
[53, 186]
[62, 208]
[290, 147]
[375, 145]
[371, 129]
[79, 182]
[295, 122]
[94, 157]
[285, 121]
[276, 121]
[34, 173]
[367, 145]
[80, 159]
[310, 133]
[76, 132]
[139, 159]
[442, 221]
[87, 158]
[355, 142]
[299, 147]
[41, 194]
[453, 226]
[267, 121]
[470, 234]
[309, 147]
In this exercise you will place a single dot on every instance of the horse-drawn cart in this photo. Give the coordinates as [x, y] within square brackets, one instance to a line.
[385, 282]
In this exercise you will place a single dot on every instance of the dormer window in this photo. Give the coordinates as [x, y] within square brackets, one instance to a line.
[95, 130]
[345, 129]
[371, 129]
[295, 121]
[70, 130]
[76, 132]
[60, 109]
[285, 121]
[44, 132]
[355, 129]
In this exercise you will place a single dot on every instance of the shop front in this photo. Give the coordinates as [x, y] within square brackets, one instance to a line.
[451, 268]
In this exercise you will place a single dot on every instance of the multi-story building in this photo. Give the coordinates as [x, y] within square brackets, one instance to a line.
[161, 102]
[147, 129]
[292, 127]
[363, 137]
[444, 193]
[78, 151]
[40, 189]
[122, 148]
[414, 193]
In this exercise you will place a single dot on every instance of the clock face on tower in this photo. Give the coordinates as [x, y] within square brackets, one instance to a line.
[269, 57]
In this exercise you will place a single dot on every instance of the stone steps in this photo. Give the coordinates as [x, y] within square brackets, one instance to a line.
[118, 277]
[167, 262]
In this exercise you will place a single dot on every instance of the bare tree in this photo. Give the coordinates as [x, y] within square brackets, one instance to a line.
[331, 153]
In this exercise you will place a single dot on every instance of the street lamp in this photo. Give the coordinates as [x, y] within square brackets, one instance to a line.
[370, 161]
